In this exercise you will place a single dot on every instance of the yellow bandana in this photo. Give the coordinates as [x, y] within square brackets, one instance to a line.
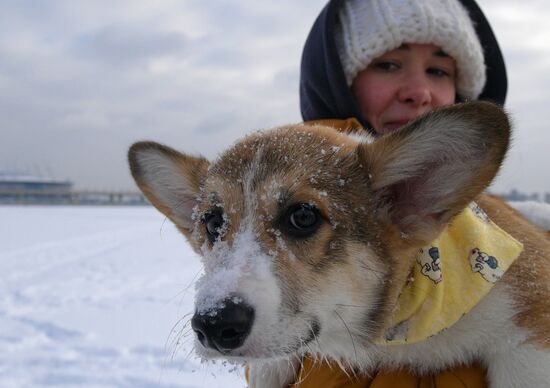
[451, 276]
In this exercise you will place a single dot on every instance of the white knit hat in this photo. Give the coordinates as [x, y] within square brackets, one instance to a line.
[370, 28]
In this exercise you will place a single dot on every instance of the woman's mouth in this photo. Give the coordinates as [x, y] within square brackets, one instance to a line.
[396, 124]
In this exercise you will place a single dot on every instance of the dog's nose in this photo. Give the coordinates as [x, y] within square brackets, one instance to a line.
[225, 328]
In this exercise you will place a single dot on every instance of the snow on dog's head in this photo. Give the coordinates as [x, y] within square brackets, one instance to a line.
[303, 230]
[271, 225]
[276, 220]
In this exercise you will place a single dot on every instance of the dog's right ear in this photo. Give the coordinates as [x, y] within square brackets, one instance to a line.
[170, 180]
[430, 170]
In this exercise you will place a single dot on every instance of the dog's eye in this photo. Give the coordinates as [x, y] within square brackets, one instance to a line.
[302, 220]
[213, 222]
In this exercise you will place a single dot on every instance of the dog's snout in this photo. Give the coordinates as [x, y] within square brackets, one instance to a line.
[225, 328]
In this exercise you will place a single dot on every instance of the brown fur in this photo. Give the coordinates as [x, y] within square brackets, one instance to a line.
[385, 198]
[529, 276]
[287, 158]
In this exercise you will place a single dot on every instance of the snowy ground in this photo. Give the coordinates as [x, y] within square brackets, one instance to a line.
[98, 297]
[536, 212]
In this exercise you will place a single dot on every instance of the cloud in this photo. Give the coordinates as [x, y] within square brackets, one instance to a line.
[81, 80]
[128, 45]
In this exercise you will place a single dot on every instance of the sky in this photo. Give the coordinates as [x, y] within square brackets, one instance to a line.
[80, 81]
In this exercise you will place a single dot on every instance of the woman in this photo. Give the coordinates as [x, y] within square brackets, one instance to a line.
[384, 63]
[325, 91]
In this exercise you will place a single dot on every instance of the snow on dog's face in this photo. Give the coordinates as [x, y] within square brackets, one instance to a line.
[305, 232]
[283, 223]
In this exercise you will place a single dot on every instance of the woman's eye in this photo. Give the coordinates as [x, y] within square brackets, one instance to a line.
[302, 220]
[386, 66]
[438, 72]
[213, 223]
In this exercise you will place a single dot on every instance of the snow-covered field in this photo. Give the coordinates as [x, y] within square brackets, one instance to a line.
[537, 212]
[98, 297]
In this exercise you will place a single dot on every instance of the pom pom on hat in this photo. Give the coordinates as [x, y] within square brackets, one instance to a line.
[369, 28]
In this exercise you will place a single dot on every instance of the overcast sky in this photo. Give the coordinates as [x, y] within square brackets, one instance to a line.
[81, 80]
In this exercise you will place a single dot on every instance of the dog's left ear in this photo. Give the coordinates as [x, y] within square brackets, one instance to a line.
[170, 180]
[427, 172]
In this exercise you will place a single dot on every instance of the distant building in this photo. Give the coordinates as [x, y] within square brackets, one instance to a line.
[19, 182]
[24, 188]
[515, 195]
[518, 196]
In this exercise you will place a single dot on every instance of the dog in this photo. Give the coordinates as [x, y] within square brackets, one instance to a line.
[308, 235]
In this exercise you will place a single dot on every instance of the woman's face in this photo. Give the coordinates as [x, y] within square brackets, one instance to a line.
[403, 83]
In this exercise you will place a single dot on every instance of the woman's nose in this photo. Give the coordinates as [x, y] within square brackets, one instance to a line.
[416, 92]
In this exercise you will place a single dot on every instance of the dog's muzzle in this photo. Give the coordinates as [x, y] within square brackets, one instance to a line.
[225, 328]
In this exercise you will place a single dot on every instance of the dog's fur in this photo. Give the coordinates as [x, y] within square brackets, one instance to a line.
[332, 293]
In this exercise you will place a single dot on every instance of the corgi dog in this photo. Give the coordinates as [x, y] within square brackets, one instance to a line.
[309, 235]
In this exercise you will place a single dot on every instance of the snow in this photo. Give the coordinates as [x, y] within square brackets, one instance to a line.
[98, 297]
[101, 297]
[537, 212]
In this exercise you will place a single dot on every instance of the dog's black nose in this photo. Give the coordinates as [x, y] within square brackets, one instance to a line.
[225, 328]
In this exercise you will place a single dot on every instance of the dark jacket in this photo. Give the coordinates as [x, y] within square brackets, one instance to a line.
[324, 93]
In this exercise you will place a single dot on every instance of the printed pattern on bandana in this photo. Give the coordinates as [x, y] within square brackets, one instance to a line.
[430, 264]
[451, 276]
[485, 265]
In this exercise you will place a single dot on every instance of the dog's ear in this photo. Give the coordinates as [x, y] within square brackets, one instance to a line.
[427, 172]
[170, 180]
